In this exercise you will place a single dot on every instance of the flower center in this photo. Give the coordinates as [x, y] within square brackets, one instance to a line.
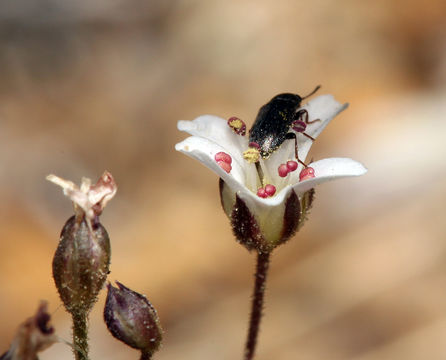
[253, 156]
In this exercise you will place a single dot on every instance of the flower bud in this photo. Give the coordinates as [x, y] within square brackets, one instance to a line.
[132, 319]
[81, 262]
[80, 265]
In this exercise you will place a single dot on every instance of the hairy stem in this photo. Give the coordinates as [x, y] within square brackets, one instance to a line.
[257, 304]
[145, 356]
[80, 335]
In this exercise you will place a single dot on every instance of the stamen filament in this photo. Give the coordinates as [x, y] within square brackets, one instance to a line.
[260, 173]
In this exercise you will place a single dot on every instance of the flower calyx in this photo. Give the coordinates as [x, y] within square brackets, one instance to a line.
[263, 233]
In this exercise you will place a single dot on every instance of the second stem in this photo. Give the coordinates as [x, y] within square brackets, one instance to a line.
[257, 304]
[80, 335]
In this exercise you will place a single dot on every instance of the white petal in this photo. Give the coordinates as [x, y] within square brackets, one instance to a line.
[204, 151]
[64, 184]
[258, 204]
[215, 129]
[324, 108]
[330, 169]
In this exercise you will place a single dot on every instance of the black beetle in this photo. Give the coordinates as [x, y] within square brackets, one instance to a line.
[273, 123]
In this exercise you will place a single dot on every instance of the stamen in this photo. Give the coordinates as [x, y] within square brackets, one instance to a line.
[222, 156]
[224, 161]
[270, 189]
[252, 155]
[307, 173]
[237, 125]
[267, 191]
[262, 193]
[291, 165]
[225, 166]
[283, 170]
[260, 173]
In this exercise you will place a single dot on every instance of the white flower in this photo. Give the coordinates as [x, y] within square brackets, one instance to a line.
[212, 135]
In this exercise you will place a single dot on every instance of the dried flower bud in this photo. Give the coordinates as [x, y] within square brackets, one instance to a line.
[132, 319]
[33, 336]
[80, 265]
[81, 261]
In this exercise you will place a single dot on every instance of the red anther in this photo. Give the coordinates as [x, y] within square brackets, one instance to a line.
[225, 166]
[222, 156]
[291, 165]
[270, 189]
[254, 145]
[283, 170]
[262, 193]
[237, 125]
[299, 126]
[307, 173]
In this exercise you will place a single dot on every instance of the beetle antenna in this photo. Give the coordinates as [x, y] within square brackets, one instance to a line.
[315, 89]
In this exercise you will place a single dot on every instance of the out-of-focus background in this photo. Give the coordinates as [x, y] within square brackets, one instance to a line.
[92, 85]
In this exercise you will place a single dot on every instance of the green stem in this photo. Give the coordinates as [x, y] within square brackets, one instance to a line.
[80, 335]
[257, 304]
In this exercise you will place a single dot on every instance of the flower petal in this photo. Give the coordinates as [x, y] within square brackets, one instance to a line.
[215, 129]
[330, 169]
[204, 151]
[324, 108]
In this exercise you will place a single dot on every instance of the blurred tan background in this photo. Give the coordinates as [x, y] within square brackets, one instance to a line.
[92, 85]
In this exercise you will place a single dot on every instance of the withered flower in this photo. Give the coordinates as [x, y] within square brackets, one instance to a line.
[33, 336]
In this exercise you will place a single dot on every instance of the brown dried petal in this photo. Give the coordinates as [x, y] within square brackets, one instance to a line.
[102, 192]
[33, 336]
[88, 199]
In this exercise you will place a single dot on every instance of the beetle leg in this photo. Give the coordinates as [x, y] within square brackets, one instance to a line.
[290, 136]
[302, 115]
[300, 124]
